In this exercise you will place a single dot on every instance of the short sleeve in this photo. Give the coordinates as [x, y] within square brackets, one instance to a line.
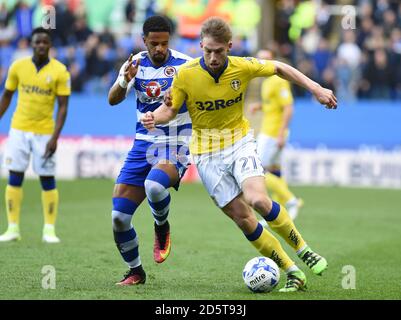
[12, 78]
[178, 91]
[260, 68]
[63, 87]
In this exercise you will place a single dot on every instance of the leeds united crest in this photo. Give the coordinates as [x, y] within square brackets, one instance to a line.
[236, 84]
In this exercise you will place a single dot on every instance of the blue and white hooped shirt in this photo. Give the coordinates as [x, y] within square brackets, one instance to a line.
[149, 86]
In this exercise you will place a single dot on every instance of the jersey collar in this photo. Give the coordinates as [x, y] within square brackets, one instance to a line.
[167, 61]
[40, 66]
[215, 77]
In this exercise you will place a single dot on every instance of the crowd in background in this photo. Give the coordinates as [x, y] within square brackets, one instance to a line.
[357, 59]
[357, 53]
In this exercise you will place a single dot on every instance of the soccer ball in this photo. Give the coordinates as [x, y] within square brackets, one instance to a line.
[261, 274]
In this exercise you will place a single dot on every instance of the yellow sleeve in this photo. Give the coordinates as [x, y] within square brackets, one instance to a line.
[12, 78]
[260, 68]
[284, 94]
[178, 92]
[63, 87]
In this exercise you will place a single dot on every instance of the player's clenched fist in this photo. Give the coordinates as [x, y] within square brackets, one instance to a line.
[148, 120]
[326, 97]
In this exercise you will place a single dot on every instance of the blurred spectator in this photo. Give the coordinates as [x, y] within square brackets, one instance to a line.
[322, 57]
[6, 33]
[310, 39]
[130, 11]
[239, 47]
[328, 79]
[349, 51]
[348, 64]
[324, 19]
[23, 15]
[365, 31]
[23, 49]
[107, 37]
[64, 20]
[77, 78]
[81, 30]
[377, 76]
[4, 15]
[285, 9]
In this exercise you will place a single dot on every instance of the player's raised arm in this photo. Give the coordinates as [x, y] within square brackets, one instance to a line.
[118, 91]
[323, 95]
[162, 114]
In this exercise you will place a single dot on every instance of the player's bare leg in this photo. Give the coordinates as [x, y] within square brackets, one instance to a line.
[278, 185]
[265, 242]
[278, 219]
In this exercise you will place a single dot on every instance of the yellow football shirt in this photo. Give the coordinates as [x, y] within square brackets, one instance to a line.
[37, 90]
[276, 94]
[216, 104]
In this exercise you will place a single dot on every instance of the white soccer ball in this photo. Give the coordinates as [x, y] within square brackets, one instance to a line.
[261, 274]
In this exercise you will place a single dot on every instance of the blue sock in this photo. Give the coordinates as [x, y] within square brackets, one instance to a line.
[124, 233]
[156, 184]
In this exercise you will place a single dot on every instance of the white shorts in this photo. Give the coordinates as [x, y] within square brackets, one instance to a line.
[270, 154]
[223, 172]
[20, 145]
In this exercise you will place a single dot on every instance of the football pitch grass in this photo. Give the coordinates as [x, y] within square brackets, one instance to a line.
[360, 228]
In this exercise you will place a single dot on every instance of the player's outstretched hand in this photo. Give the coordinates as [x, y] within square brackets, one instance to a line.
[148, 120]
[131, 69]
[168, 98]
[326, 97]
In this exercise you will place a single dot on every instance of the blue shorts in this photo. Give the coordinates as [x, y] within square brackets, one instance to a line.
[144, 155]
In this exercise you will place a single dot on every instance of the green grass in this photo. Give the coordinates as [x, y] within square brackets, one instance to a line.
[358, 227]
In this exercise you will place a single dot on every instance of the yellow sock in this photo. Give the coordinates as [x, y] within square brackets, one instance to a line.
[270, 247]
[285, 227]
[50, 206]
[14, 197]
[278, 186]
[276, 197]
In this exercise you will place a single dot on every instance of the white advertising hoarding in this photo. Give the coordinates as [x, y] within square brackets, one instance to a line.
[88, 157]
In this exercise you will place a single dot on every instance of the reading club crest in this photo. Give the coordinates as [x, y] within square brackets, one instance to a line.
[236, 84]
[169, 71]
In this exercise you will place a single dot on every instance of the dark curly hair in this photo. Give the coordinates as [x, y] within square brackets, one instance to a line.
[40, 30]
[156, 24]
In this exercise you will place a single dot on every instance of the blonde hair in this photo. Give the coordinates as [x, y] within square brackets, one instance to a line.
[217, 29]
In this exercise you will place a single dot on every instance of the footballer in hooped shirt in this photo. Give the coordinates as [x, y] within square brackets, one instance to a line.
[158, 158]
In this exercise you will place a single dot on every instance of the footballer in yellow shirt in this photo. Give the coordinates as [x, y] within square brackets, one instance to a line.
[213, 87]
[277, 107]
[39, 80]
